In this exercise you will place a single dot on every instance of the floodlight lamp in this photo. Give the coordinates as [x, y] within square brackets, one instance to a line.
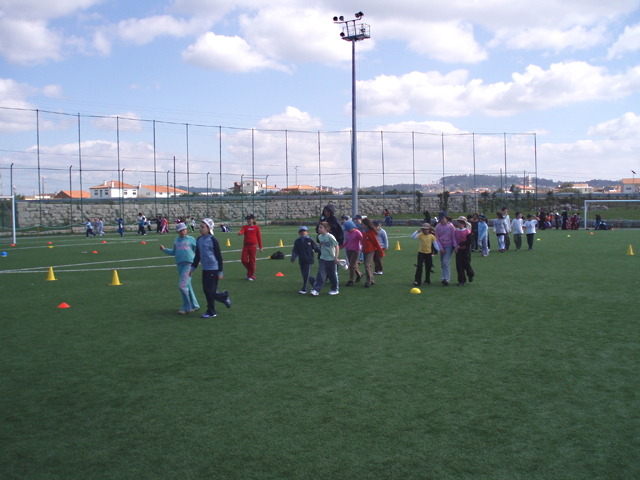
[342, 34]
[335, 19]
[359, 15]
[341, 18]
[363, 30]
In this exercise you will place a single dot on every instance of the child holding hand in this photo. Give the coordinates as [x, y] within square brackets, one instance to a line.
[328, 263]
[463, 251]
[208, 250]
[184, 249]
[303, 249]
[425, 253]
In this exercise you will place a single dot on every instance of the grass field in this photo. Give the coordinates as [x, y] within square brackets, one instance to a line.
[531, 371]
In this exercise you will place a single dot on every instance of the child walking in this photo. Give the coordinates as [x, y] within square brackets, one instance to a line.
[208, 250]
[516, 228]
[303, 249]
[464, 238]
[425, 253]
[89, 226]
[353, 245]
[483, 235]
[370, 246]
[184, 248]
[120, 226]
[500, 229]
[530, 225]
[252, 240]
[328, 263]
[383, 240]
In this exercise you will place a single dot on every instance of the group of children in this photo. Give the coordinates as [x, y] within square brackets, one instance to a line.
[363, 240]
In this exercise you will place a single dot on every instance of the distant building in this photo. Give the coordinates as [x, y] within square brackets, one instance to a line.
[159, 191]
[113, 189]
[72, 194]
[303, 189]
[630, 185]
[583, 187]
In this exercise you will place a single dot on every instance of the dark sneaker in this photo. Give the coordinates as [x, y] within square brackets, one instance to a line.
[445, 283]
[349, 284]
[209, 315]
[471, 278]
[416, 283]
[227, 301]
[366, 285]
[358, 279]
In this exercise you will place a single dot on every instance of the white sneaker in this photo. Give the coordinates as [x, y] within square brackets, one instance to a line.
[314, 293]
[302, 292]
[333, 292]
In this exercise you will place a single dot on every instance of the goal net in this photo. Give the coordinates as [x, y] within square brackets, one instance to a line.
[607, 214]
[7, 216]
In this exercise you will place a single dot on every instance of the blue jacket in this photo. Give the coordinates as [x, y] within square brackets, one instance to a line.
[304, 247]
[208, 250]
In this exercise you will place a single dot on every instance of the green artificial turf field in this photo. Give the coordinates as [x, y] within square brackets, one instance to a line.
[531, 371]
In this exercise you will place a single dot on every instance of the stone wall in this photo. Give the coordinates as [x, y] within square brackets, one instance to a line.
[61, 213]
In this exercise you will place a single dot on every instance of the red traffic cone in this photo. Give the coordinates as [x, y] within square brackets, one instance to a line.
[95, 251]
[144, 243]
[279, 274]
[104, 241]
[63, 305]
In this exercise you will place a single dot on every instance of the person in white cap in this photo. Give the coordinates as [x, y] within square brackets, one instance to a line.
[208, 250]
[184, 249]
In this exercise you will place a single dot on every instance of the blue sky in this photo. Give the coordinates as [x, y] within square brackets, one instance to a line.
[566, 70]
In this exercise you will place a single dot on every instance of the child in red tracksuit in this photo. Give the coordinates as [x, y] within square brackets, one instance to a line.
[252, 239]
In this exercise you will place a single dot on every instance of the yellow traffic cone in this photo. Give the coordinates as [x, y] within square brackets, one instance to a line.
[630, 250]
[228, 243]
[398, 246]
[281, 245]
[51, 278]
[115, 281]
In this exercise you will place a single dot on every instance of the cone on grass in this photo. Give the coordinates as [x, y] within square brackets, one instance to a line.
[50, 277]
[415, 290]
[398, 246]
[630, 250]
[281, 245]
[64, 305]
[279, 274]
[115, 281]
[228, 243]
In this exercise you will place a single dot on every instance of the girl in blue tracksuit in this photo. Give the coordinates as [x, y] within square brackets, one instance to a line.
[120, 226]
[208, 250]
[184, 250]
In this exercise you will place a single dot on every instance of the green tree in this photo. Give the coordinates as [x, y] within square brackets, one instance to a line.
[443, 198]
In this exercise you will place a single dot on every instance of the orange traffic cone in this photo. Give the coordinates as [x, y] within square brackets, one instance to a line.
[63, 305]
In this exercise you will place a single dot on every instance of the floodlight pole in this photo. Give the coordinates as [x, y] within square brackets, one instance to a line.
[352, 33]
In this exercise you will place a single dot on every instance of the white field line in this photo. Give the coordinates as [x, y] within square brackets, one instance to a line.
[59, 245]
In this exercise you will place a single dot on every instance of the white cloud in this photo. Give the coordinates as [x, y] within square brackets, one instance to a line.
[535, 89]
[14, 95]
[126, 122]
[229, 54]
[625, 127]
[450, 41]
[292, 119]
[629, 41]
[145, 30]
[577, 38]
[28, 42]
[101, 43]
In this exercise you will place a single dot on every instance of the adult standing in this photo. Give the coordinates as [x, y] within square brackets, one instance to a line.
[565, 219]
[474, 231]
[446, 238]
[427, 217]
[335, 228]
[543, 219]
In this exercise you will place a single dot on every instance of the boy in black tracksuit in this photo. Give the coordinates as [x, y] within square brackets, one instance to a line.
[303, 248]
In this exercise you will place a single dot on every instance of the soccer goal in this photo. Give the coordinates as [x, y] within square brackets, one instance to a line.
[614, 213]
[7, 216]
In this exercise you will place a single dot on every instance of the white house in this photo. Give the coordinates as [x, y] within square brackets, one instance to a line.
[630, 185]
[159, 191]
[113, 189]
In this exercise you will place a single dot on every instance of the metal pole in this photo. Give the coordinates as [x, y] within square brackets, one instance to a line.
[188, 191]
[220, 137]
[80, 167]
[535, 153]
[70, 201]
[123, 215]
[505, 166]
[168, 192]
[319, 172]
[475, 190]
[174, 180]
[208, 193]
[384, 204]
[155, 180]
[413, 168]
[242, 196]
[38, 151]
[443, 181]
[121, 183]
[253, 175]
[354, 149]
[266, 191]
[286, 167]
